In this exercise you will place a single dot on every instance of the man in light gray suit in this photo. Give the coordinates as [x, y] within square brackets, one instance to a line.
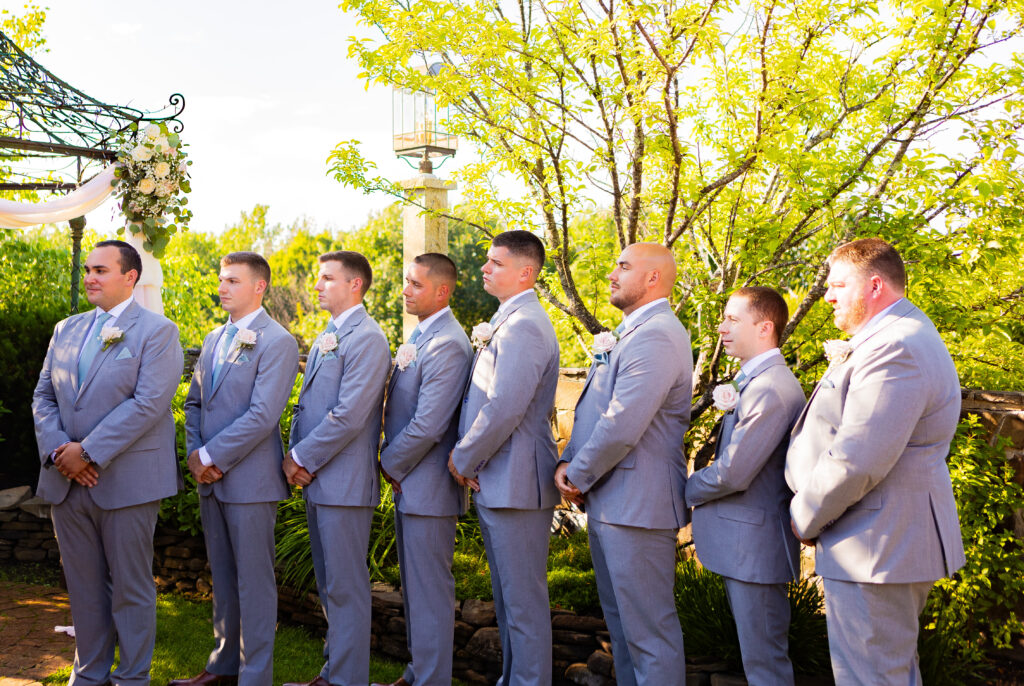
[625, 462]
[867, 462]
[506, 452]
[239, 389]
[105, 433]
[420, 428]
[333, 457]
[741, 501]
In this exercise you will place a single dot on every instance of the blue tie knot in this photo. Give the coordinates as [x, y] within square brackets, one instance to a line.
[415, 335]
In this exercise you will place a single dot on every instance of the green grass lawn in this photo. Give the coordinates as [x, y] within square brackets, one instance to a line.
[184, 639]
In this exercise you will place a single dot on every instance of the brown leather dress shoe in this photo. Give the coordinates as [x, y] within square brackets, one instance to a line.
[204, 678]
[399, 682]
[318, 681]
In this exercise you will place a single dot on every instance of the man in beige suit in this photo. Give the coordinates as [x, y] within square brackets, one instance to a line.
[867, 462]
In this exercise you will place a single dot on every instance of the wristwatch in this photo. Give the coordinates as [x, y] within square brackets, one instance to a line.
[85, 456]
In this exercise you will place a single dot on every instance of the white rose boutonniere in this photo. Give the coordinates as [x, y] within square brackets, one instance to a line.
[604, 341]
[111, 335]
[482, 333]
[246, 339]
[726, 397]
[405, 356]
[836, 351]
[328, 342]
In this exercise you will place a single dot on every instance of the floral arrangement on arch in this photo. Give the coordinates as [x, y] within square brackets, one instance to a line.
[150, 181]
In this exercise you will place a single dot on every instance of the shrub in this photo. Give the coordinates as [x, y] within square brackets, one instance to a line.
[573, 589]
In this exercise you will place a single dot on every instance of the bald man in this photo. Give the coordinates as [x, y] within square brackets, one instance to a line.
[625, 462]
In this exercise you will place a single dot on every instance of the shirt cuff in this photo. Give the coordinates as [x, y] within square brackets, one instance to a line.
[296, 460]
[204, 456]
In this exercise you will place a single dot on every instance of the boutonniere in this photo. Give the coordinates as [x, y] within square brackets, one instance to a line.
[328, 342]
[726, 396]
[836, 351]
[111, 335]
[604, 342]
[246, 339]
[405, 356]
[482, 334]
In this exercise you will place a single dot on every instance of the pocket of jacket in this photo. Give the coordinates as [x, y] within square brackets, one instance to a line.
[872, 501]
[741, 513]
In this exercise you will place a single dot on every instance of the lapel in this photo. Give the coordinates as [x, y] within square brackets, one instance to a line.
[124, 322]
[524, 300]
[421, 342]
[208, 359]
[74, 334]
[257, 325]
[730, 418]
[350, 324]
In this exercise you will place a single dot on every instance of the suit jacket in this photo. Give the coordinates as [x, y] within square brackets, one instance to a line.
[867, 459]
[421, 420]
[505, 435]
[626, 450]
[121, 411]
[238, 417]
[336, 425]
[741, 501]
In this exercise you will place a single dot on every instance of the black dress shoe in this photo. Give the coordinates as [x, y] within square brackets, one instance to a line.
[204, 678]
[319, 681]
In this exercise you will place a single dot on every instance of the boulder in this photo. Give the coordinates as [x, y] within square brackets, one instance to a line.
[12, 497]
[478, 612]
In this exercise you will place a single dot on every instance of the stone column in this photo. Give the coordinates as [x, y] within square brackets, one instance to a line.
[421, 231]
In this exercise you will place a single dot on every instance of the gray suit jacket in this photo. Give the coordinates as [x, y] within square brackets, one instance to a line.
[867, 459]
[121, 413]
[238, 418]
[505, 435]
[626, 450]
[741, 501]
[421, 420]
[336, 425]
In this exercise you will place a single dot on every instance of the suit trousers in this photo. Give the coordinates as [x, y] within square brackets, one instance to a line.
[426, 546]
[240, 547]
[339, 538]
[872, 632]
[762, 614]
[516, 542]
[635, 573]
[108, 564]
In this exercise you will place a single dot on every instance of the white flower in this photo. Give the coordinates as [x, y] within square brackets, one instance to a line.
[110, 335]
[147, 186]
[141, 153]
[328, 342]
[161, 169]
[161, 142]
[405, 355]
[604, 341]
[152, 131]
[482, 333]
[836, 351]
[726, 397]
[246, 339]
[164, 188]
[183, 166]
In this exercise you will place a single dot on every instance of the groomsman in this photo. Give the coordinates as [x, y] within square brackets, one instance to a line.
[105, 433]
[741, 501]
[867, 462]
[625, 462]
[506, 452]
[420, 428]
[239, 389]
[333, 456]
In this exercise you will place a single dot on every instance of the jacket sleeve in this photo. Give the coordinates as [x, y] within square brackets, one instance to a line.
[50, 433]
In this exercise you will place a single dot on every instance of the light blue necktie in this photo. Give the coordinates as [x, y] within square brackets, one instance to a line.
[415, 335]
[225, 346]
[619, 328]
[739, 378]
[494, 317]
[91, 347]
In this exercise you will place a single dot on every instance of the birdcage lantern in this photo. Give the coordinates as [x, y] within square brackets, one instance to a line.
[419, 126]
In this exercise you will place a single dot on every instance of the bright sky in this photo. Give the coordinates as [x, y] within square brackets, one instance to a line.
[268, 89]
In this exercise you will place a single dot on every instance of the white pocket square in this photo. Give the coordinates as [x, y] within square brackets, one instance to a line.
[123, 355]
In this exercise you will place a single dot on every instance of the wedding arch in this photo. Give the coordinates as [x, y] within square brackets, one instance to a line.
[55, 138]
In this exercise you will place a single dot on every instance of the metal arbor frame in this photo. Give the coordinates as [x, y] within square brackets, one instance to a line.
[53, 126]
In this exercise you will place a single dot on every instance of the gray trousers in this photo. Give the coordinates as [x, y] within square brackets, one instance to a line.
[635, 573]
[339, 538]
[240, 547]
[108, 564]
[762, 623]
[516, 542]
[872, 632]
[426, 546]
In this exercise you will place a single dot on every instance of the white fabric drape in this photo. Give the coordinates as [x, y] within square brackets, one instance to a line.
[147, 290]
[19, 215]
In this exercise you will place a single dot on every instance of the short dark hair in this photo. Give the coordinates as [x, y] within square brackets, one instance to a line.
[130, 258]
[256, 263]
[522, 244]
[354, 263]
[873, 256]
[440, 267]
[766, 304]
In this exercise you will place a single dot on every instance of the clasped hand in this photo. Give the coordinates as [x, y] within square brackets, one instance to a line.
[566, 487]
[70, 463]
[294, 474]
[459, 478]
[203, 474]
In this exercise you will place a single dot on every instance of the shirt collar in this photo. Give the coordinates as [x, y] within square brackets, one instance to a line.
[755, 361]
[245, 321]
[422, 326]
[872, 324]
[115, 311]
[341, 318]
[508, 303]
[638, 312]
